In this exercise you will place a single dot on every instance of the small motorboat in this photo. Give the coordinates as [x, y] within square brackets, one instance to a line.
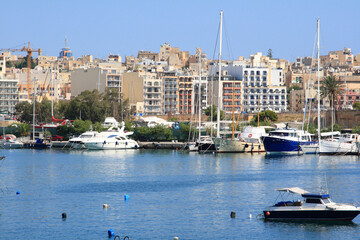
[314, 207]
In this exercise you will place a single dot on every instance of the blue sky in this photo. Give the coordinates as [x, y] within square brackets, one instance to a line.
[124, 27]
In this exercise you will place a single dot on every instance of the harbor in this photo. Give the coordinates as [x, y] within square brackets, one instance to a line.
[170, 194]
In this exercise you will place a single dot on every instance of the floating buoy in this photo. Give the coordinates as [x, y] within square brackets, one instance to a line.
[126, 197]
[267, 213]
[232, 214]
[250, 216]
[111, 233]
[106, 205]
[17, 193]
[176, 238]
[63, 215]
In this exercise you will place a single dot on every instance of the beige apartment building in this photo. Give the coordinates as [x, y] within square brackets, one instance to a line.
[171, 92]
[153, 94]
[46, 62]
[185, 94]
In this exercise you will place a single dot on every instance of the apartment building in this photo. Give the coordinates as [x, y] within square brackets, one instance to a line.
[204, 89]
[9, 94]
[185, 93]
[153, 94]
[87, 79]
[47, 62]
[171, 93]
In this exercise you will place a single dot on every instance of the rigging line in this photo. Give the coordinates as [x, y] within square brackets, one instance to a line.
[227, 41]
[217, 37]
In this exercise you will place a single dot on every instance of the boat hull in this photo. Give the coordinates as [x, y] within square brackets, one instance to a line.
[111, 145]
[275, 145]
[336, 147]
[237, 146]
[206, 147]
[312, 215]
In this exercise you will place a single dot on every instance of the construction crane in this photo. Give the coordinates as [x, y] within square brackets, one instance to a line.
[29, 55]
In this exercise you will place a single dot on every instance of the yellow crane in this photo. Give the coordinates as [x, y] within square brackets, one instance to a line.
[29, 51]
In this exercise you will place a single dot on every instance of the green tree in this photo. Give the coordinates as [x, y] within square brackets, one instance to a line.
[356, 106]
[24, 111]
[331, 88]
[43, 111]
[81, 126]
[269, 53]
[214, 113]
[23, 129]
[65, 130]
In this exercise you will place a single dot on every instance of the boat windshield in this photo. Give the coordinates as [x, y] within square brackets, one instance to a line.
[278, 134]
[326, 200]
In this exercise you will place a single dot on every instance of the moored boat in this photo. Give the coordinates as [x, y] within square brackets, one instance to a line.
[287, 141]
[317, 207]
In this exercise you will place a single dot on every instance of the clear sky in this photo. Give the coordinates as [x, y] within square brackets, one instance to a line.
[123, 27]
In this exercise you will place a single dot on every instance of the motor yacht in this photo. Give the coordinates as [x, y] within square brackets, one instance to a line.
[314, 206]
[287, 141]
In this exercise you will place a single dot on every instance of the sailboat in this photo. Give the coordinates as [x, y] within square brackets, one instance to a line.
[209, 146]
[249, 140]
[347, 143]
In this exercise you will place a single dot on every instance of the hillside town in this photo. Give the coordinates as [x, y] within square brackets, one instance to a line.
[167, 82]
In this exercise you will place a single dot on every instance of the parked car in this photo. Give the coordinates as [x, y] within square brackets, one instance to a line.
[56, 138]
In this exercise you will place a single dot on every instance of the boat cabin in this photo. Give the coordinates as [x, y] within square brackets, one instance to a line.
[309, 198]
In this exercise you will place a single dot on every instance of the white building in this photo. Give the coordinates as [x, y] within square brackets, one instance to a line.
[263, 88]
[203, 94]
[153, 94]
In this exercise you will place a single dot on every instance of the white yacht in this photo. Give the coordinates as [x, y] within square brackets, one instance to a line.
[111, 139]
[315, 206]
[345, 144]
[78, 141]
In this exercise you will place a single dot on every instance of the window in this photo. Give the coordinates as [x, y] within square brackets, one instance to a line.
[312, 200]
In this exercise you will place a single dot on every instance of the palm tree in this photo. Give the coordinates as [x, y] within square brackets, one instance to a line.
[331, 88]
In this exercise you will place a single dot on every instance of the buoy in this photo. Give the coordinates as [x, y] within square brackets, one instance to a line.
[267, 213]
[250, 135]
[232, 214]
[106, 205]
[111, 233]
[63, 215]
[126, 197]
[250, 216]
[17, 193]
[176, 238]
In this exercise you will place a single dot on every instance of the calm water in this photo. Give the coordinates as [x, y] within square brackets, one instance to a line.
[172, 193]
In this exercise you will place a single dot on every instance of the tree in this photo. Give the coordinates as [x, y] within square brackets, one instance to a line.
[24, 111]
[23, 129]
[81, 126]
[269, 54]
[265, 117]
[356, 106]
[331, 88]
[214, 113]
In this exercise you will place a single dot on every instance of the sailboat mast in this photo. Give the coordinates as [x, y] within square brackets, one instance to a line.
[219, 86]
[199, 95]
[318, 74]
[52, 90]
[34, 92]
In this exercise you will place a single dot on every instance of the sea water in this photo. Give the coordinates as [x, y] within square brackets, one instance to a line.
[170, 194]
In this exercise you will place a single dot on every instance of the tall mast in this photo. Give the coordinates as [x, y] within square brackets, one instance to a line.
[219, 86]
[318, 75]
[34, 98]
[52, 90]
[199, 95]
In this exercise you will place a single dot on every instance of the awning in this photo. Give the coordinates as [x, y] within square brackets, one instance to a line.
[295, 190]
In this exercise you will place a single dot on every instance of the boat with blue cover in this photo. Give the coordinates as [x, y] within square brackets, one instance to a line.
[313, 207]
[288, 141]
